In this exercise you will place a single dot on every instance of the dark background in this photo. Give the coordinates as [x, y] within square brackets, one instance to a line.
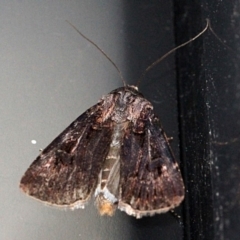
[209, 113]
[50, 75]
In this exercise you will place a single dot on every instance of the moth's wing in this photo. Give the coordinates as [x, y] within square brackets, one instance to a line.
[66, 171]
[150, 180]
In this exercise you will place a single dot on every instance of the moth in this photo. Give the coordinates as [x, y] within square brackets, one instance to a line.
[117, 151]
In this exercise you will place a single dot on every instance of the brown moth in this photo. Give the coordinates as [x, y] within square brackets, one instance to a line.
[116, 151]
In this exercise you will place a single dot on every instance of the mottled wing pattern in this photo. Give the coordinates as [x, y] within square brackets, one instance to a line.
[66, 172]
[150, 180]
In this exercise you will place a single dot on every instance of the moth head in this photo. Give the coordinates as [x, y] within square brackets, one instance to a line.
[133, 87]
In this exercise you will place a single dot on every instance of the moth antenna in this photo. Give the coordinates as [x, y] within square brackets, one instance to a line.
[219, 39]
[171, 51]
[95, 45]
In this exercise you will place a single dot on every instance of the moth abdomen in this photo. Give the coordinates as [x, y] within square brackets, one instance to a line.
[107, 191]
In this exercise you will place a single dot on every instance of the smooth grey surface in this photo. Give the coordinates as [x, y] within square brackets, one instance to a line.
[49, 76]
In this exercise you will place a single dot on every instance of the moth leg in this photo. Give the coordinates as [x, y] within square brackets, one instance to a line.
[169, 139]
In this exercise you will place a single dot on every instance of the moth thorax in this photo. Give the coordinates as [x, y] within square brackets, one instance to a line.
[105, 207]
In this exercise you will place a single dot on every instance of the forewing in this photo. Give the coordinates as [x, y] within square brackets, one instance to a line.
[150, 180]
[66, 172]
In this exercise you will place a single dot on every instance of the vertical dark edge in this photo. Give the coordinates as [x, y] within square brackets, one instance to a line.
[194, 138]
[208, 89]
